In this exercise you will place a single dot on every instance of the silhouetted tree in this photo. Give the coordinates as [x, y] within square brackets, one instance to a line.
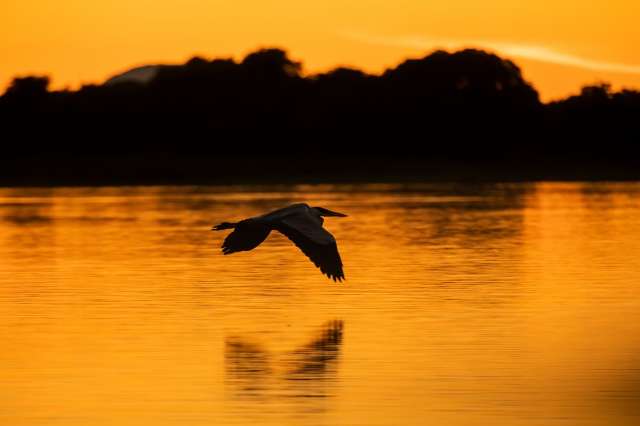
[271, 65]
[28, 87]
[470, 107]
[597, 124]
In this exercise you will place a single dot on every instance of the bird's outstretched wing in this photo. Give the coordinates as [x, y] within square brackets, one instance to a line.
[246, 236]
[317, 243]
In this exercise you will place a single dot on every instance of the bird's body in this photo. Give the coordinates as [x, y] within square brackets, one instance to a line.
[298, 222]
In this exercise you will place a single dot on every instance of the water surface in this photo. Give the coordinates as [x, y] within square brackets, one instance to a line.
[484, 304]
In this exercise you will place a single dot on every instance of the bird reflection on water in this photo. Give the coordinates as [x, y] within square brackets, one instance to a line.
[304, 372]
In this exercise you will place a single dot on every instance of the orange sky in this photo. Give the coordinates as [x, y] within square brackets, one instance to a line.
[560, 44]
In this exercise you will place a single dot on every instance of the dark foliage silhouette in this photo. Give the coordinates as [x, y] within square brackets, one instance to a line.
[27, 90]
[608, 120]
[446, 115]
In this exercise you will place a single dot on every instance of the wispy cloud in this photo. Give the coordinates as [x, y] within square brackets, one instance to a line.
[527, 51]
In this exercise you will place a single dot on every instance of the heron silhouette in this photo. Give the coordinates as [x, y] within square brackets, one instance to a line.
[298, 222]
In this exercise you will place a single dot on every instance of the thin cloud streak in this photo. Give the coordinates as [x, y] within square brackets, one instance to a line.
[539, 53]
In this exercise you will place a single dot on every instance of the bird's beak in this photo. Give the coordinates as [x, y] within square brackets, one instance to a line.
[336, 214]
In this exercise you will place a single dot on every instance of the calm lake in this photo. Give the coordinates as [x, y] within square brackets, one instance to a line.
[492, 304]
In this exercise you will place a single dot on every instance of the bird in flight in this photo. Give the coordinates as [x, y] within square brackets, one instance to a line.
[298, 222]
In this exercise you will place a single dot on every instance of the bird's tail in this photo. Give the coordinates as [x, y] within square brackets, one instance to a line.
[224, 225]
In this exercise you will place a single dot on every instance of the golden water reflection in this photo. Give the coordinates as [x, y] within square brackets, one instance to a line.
[464, 304]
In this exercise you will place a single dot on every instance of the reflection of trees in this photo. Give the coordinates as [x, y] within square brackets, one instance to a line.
[464, 214]
[29, 234]
[252, 371]
[22, 206]
[461, 236]
[26, 214]
[599, 196]
[473, 224]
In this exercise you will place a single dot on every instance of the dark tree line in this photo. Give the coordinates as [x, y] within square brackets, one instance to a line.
[202, 118]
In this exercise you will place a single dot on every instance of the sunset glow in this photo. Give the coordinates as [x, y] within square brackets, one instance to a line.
[560, 45]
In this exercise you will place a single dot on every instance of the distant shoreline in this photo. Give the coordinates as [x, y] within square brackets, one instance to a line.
[255, 171]
[462, 116]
